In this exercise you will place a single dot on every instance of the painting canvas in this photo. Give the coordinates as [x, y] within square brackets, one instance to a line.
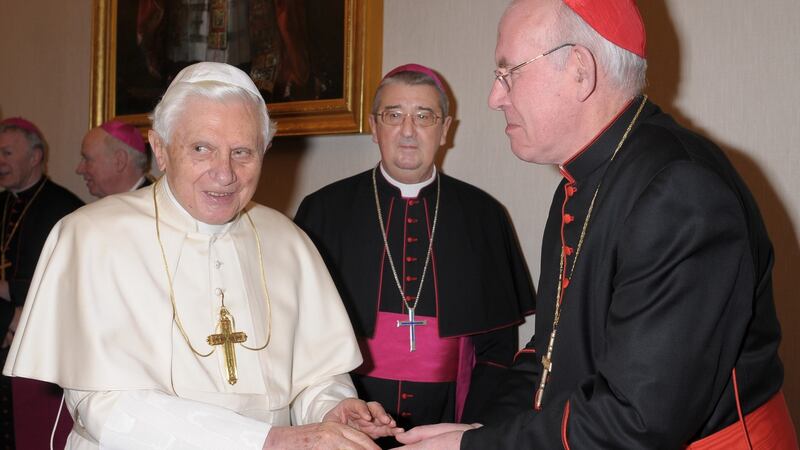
[314, 61]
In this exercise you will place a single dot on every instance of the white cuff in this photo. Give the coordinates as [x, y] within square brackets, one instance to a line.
[154, 420]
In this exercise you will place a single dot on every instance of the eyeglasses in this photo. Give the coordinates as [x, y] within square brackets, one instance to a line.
[503, 75]
[393, 118]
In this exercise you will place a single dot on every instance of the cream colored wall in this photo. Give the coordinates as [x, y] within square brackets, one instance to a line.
[728, 68]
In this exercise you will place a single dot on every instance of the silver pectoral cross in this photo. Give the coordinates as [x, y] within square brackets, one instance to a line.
[411, 323]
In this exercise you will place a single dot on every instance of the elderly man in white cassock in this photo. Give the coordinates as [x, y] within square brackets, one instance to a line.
[182, 315]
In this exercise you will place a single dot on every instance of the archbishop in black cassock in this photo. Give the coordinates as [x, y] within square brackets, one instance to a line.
[477, 285]
[427, 266]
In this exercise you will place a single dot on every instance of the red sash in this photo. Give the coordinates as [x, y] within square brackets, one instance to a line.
[387, 355]
[768, 427]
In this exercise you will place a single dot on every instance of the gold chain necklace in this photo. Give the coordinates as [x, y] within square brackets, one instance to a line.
[411, 323]
[547, 360]
[226, 336]
[7, 241]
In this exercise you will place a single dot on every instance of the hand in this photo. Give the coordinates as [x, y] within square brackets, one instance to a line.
[442, 436]
[369, 418]
[318, 436]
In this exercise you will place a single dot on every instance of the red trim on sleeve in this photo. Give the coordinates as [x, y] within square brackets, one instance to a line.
[524, 350]
[527, 350]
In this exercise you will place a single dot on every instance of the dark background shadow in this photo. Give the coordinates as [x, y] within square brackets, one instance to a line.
[664, 69]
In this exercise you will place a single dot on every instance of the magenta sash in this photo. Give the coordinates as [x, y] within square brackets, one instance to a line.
[386, 355]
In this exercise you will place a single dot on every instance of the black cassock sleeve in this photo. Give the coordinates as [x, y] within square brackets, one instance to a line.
[497, 390]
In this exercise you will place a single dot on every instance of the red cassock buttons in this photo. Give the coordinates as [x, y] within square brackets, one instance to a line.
[410, 278]
[571, 190]
[565, 282]
[411, 240]
[568, 218]
[405, 396]
[410, 259]
[412, 220]
[568, 250]
[409, 298]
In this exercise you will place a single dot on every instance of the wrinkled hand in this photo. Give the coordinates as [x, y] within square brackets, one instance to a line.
[318, 436]
[369, 418]
[442, 436]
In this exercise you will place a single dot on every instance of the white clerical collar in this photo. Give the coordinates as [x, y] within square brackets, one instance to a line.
[139, 183]
[408, 190]
[200, 227]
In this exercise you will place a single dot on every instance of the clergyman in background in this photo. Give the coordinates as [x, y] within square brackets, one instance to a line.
[114, 159]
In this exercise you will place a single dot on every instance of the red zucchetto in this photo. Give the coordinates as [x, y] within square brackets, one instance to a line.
[618, 21]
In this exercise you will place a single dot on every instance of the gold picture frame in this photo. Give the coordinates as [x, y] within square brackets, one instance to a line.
[347, 112]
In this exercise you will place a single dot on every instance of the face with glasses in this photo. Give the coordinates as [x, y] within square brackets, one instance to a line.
[409, 129]
[532, 88]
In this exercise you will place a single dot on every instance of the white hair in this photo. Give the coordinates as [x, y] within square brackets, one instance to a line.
[140, 160]
[173, 104]
[34, 140]
[626, 70]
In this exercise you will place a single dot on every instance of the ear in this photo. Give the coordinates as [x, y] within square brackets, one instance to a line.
[445, 128]
[159, 149]
[373, 126]
[583, 67]
[37, 156]
[120, 160]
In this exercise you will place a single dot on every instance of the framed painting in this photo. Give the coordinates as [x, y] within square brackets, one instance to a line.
[316, 62]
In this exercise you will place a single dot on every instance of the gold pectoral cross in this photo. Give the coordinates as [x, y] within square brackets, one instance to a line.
[547, 369]
[226, 338]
